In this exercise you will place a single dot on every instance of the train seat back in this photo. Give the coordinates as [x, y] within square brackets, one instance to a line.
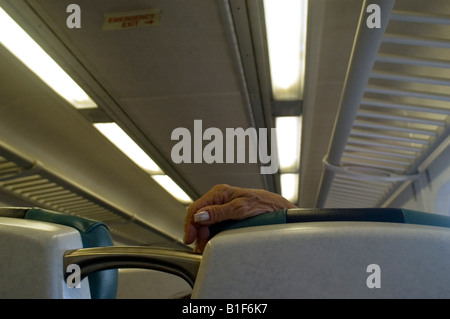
[328, 259]
[32, 246]
[31, 260]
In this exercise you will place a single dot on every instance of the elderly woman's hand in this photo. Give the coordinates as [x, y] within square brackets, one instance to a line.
[224, 202]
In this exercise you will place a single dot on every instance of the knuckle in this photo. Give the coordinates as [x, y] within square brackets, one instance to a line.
[218, 214]
[220, 188]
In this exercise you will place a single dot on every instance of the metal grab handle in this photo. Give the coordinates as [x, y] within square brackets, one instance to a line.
[180, 263]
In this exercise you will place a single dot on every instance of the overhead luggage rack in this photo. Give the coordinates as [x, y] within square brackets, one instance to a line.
[395, 107]
[31, 182]
[35, 185]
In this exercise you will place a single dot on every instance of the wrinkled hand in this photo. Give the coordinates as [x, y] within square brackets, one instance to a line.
[224, 202]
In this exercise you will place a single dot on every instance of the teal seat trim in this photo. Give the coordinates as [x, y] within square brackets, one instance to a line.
[421, 218]
[300, 215]
[93, 233]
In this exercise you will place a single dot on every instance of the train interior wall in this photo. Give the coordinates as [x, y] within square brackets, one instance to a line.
[431, 192]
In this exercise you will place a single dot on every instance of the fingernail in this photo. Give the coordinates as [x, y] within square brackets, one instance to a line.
[201, 216]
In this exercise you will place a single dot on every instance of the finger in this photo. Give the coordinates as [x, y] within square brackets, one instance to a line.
[190, 231]
[202, 238]
[190, 234]
[217, 195]
[237, 209]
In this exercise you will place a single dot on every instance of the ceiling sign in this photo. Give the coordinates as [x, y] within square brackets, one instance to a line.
[133, 19]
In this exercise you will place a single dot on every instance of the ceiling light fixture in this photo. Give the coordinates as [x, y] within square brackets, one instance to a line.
[288, 132]
[125, 143]
[122, 141]
[288, 129]
[289, 186]
[19, 43]
[286, 40]
[172, 188]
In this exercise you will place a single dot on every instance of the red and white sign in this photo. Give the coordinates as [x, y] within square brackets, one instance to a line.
[133, 19]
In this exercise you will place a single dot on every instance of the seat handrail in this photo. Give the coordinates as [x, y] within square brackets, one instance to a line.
[184, 264]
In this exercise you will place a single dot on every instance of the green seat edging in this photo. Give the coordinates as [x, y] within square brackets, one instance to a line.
[393, 215]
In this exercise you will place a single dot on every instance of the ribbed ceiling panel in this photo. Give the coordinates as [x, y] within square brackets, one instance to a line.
[404, 113]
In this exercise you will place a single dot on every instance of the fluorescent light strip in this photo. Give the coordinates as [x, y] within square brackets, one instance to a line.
[288, 130]
[289, 187]
[172, 188]
[19, 43]
[123, 142]
[286, 38]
